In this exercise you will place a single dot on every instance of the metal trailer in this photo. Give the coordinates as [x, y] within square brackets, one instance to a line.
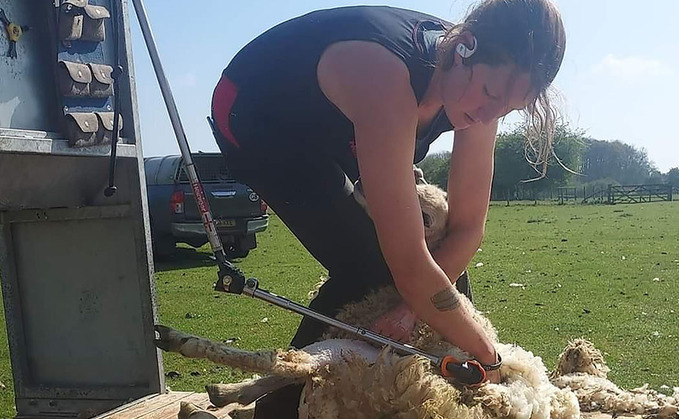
[76, 265]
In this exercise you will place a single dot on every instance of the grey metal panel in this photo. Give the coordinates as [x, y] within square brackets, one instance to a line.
[81, 307]
[48, 181]
[10, 295]
[79, 320]
[59, 408]
[27, 92]
[28, 96]
[140, 203]
[40, 142]
[128, 88]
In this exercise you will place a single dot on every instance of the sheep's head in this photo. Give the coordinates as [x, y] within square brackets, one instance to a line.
[581, 356]
[434, 204]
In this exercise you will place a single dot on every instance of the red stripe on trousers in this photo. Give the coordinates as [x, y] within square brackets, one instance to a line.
[222, 100]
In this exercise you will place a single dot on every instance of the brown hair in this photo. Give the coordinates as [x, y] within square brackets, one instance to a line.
[530, 35]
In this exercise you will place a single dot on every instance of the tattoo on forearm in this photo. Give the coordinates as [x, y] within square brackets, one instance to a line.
[446, 300]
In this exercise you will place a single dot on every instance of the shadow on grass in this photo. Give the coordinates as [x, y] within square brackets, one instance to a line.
[183, 258]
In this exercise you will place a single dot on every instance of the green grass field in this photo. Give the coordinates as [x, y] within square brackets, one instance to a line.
[549, 274]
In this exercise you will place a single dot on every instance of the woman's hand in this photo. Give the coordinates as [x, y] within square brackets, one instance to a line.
[397, 324]
[493, 376]
[493, 370]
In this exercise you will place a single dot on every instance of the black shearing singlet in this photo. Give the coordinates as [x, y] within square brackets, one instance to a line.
[279, 98]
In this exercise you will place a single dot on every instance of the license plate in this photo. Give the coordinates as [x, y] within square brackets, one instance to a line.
[225, 223]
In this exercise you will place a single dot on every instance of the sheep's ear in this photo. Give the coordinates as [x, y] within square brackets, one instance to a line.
[419, 176]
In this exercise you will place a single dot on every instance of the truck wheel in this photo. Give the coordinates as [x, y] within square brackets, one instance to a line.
[238, 247]
[236, 252]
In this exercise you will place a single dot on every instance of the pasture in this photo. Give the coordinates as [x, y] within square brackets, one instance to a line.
[544, 274]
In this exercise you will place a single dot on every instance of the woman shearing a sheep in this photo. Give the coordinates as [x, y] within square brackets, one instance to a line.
[317, 102]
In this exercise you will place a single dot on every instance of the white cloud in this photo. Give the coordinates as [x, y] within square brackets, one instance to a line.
[631, 67]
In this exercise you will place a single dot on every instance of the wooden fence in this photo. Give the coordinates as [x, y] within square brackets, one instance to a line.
[599, 194]
[567, 193]
[633, 194]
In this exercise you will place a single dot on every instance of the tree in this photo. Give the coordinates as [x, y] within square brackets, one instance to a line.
[616, 160]
[513, 171]
[435, 168]
[512, 168]
[654, 177]
[672, 176]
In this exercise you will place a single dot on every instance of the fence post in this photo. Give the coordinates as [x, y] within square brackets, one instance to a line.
[610, 194]
[669, 192]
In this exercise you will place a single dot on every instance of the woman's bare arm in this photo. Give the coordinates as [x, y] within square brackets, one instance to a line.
[371, 86]
[469, 183]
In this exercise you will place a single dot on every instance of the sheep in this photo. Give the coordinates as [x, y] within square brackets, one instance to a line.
[344, 374]
[348, 378]
[581, 368]
[360, 366]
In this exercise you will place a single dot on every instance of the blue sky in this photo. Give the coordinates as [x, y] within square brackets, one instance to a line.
[618, 80]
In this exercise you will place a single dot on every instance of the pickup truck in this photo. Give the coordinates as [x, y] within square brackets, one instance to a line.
[239, 213]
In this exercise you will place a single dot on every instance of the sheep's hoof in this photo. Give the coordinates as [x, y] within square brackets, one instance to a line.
[221, 395]
[191, 411]
[170, 340]
[246, 412]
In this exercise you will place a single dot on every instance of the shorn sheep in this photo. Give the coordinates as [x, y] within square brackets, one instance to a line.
[348, 378]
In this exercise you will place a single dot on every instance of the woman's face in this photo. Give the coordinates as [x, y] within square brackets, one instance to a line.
[482, 93]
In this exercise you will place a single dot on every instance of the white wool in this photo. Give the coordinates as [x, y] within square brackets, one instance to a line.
[527, 386]
[525, 362]
[599, 394]
[565, 404]
[526, 389]
[328, 351]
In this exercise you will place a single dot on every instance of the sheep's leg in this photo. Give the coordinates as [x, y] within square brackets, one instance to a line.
[247, 391]
[289, 363]
[191, 411]
[247, 412]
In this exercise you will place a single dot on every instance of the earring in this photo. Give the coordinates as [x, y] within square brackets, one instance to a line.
[465, 51]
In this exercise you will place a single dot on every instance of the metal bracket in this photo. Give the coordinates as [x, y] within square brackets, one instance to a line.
[14, 32]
